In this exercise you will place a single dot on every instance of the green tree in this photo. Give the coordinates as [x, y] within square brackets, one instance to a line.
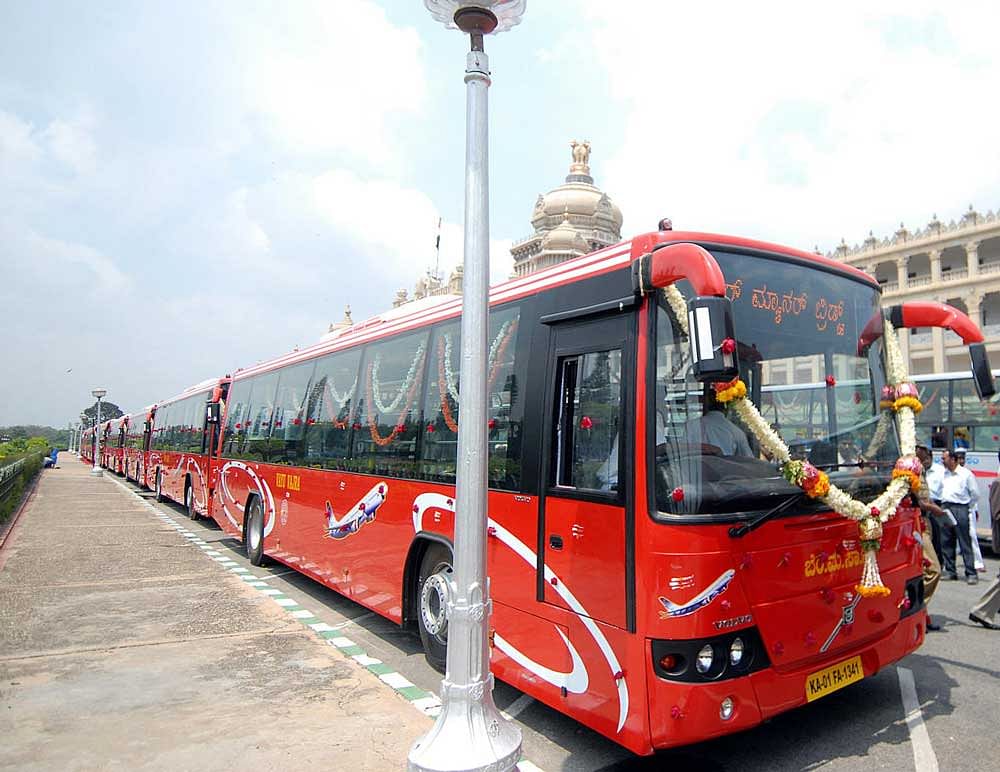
[108, 410]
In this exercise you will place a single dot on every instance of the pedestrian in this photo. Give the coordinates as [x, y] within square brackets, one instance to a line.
[984, 613]
[958, 492]
[932, 475]
[929, 512]
[977, 554]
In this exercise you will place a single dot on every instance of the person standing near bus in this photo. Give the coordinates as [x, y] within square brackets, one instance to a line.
[929, 512]
[977, 554]
[985, 611]
[958, 492]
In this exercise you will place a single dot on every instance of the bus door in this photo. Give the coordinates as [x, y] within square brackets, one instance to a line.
[586, 507]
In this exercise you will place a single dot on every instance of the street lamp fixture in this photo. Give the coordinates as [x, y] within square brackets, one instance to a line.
[96, 471]
[470, 733]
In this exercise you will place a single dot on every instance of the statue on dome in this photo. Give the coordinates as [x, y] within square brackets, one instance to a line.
[581, 152]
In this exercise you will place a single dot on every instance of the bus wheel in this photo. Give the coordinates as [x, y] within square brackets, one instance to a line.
[253, 536]
[434, 586]
[159, 490]
[189, 503]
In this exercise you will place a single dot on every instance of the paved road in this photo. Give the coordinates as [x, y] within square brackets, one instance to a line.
[863, 727]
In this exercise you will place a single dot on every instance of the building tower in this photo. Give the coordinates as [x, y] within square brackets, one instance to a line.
[569, 221]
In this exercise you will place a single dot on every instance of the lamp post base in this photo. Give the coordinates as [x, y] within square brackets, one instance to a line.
[95, 472]
[470, 735]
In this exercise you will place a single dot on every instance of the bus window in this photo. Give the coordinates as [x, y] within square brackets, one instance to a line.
[389, 408]
[442, 396]
[288, 424]
[589, 421]
[331, 412]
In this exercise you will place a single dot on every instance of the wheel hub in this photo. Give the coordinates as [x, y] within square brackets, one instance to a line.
[434, 604]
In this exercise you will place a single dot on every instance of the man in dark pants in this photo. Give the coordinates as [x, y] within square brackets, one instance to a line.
[930, 512]
[958, 492]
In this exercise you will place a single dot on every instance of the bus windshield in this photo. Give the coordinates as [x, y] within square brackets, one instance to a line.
[797, 329]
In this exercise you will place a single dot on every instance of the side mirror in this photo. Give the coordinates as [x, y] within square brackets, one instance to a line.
[981, 374]
[213, 412]
[710, 324]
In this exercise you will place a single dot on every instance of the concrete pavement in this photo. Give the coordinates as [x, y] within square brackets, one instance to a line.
[121, 647]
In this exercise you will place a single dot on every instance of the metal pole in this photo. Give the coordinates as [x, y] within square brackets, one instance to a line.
[69, 437]
[96, 471]
[470, 734]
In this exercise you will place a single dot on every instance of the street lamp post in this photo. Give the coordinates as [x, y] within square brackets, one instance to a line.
[470, 734]
[96, 471]
[69, 437]
[79, 436]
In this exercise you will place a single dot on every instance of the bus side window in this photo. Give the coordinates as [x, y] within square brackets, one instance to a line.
[588, 420]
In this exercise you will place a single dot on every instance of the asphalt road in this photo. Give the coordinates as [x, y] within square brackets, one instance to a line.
[862, 727]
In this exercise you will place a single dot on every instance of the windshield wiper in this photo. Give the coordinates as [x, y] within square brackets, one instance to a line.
[739, 531]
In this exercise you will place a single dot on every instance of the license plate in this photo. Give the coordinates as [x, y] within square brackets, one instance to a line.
[822, 682]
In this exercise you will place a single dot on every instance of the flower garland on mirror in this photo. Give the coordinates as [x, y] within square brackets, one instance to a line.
[900, 396]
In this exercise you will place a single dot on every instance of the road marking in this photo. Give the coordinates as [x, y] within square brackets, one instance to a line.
[517, 707]
[924, 758]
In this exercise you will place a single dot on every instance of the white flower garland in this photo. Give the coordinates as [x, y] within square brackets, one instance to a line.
[341, 400]
[403, 389]
[449, 374]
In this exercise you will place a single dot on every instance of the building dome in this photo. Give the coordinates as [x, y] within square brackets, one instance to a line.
[565, 238]
[577, 206]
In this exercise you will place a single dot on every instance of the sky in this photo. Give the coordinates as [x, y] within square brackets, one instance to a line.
[187, 188]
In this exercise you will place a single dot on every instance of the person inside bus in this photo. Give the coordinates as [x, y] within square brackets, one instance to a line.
[959, 490]
[714, 429]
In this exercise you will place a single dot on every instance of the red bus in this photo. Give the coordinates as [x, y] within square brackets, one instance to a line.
[176, 442]
[657, 587]
[87, 445]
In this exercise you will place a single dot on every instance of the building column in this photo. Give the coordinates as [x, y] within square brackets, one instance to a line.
[935, 258]
[901, 277]
[974, 301]
[972, 257]
[937, 339]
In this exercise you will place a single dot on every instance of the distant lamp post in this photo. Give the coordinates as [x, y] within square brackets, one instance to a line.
[96, 471]
[470, 734]
[70, 436]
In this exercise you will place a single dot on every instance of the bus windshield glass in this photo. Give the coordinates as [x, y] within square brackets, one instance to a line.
[797, 329]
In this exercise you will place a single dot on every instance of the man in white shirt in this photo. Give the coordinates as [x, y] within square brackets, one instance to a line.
[714, 428]
[958, 490]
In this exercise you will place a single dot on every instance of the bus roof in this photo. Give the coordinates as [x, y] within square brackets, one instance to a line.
[612, 258]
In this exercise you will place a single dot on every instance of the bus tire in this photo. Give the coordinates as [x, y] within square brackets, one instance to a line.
[253, 532]
[192, 513]
[433, 590]
[159, 489]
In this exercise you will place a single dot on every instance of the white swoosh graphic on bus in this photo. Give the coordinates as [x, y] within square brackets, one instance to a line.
[426, 501]
[702, 599]
[262, 487]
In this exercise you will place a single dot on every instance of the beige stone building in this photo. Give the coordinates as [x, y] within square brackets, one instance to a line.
[956, 263]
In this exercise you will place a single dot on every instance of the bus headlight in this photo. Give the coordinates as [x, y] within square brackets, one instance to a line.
[736, 652]
[705, 658]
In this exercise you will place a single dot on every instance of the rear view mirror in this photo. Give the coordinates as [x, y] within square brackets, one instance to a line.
[713, 339]
[981, 373]
[212, 413]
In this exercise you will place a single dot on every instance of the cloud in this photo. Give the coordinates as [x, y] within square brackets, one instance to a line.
[334, 77]
[797, 123]
[399, 225]
[39, 263]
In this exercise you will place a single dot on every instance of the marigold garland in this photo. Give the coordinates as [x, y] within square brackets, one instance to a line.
[900, 395]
